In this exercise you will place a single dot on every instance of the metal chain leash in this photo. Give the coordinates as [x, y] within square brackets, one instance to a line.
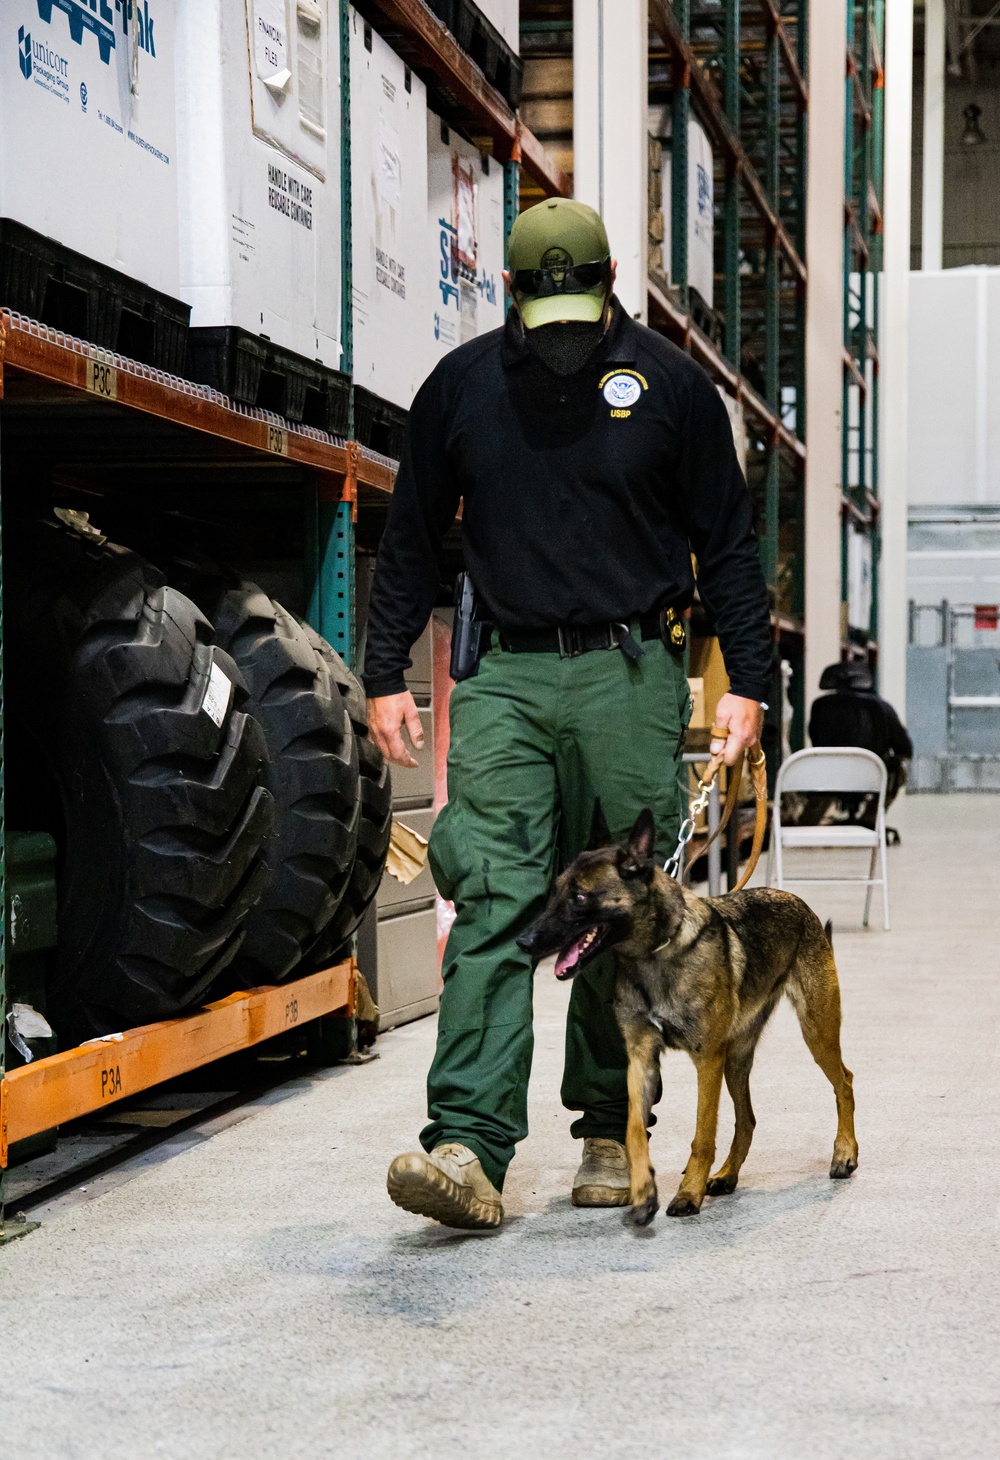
[672, 865]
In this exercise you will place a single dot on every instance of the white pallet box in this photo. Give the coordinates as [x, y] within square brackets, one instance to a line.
[389, 204]
[87, 124]
[506, 16]
[701, 204]
[465, 217]
[259, 148]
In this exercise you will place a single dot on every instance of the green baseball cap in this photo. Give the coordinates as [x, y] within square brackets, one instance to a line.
[559, 261]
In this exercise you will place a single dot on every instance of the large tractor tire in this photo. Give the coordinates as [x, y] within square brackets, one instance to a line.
[375, 815]
[160, 769]
[295, 694]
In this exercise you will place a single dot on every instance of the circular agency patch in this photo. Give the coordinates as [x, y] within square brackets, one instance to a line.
[622, 390]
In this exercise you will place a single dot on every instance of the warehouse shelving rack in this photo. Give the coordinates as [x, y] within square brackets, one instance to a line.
[119, 411]
[863, 161]
[115, 407]
[740, 67]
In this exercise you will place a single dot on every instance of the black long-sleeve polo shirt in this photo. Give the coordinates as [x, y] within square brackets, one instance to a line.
[583, 498]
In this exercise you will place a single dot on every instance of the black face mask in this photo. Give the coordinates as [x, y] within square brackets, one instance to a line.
[565, 347]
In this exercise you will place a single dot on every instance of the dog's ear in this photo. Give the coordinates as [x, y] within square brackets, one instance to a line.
[600, 832]
[638, 852]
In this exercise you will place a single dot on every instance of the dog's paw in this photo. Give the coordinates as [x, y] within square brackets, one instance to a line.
[643, 1212]
[683, 1206]
[841, 1169]
[721, 1185]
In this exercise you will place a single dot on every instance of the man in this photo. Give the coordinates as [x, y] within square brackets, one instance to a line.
[592, 457]
[853, 714]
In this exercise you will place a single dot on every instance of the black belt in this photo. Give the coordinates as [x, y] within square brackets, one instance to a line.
[568, 640]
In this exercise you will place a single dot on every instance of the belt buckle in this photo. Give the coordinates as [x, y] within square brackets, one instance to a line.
[570, 645]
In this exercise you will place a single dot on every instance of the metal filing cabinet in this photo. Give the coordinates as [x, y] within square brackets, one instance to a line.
[408, 978]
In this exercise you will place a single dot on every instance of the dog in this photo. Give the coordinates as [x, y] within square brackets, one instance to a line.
[702, 974]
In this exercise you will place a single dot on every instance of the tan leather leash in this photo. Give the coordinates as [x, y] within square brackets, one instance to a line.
[758, 776]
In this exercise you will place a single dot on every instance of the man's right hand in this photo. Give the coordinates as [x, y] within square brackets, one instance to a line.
[386, 717]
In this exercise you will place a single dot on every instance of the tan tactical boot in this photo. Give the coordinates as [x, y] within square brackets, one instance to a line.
[603, 1178]
[448, 1185]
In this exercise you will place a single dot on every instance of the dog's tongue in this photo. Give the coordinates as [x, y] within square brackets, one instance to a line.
[568, 960]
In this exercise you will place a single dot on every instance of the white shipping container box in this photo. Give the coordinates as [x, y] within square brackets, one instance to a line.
[701, 204]
[258, 131]
[389, 204]
[87, 127]
[465, 240]
[954, 378]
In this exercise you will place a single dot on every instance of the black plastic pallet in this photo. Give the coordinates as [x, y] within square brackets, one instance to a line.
[481, 40]
[379, 424]
[70, 292]
[254, 370]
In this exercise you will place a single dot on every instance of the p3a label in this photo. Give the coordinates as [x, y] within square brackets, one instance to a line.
[111, 1082]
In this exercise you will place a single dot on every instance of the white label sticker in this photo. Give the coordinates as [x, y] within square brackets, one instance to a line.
[217, 692]
[271, 43]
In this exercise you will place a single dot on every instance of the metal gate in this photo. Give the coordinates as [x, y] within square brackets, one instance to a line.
[953, 697]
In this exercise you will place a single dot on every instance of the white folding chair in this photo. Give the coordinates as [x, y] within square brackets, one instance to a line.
[838, 770]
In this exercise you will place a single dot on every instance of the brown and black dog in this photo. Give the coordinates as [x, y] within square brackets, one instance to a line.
[701, 974]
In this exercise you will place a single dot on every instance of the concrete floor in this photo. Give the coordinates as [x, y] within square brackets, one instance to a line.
[250, 1291]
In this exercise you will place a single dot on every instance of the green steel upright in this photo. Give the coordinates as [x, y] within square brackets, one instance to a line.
[731, 202]
[679, 163]
[511, 208]
[863, 192]
[329, 526]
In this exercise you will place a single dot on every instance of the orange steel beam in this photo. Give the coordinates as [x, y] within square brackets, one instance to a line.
[435, 49]
[44, 353]
[79, 1081]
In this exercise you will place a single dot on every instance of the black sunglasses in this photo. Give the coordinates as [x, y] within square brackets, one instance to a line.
[562, 279]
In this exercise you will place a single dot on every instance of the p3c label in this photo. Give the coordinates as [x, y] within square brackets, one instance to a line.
[102, 379]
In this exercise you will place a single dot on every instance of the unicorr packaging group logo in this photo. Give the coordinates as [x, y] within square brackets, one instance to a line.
[24, 52]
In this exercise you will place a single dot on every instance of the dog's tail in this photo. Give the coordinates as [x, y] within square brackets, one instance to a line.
[828, 930]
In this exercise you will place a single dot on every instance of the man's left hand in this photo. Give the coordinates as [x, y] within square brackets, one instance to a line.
[745, 721]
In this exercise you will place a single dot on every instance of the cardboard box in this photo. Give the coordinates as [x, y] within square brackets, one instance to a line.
[706, 663]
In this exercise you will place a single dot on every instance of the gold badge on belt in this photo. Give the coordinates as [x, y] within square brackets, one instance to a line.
[672, 630]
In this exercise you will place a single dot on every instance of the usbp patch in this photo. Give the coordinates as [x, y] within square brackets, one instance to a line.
[622, 389]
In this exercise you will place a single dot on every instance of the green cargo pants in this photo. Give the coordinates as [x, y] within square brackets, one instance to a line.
[534, 739]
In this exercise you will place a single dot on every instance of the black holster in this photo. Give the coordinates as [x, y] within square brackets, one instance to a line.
[470, 636]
